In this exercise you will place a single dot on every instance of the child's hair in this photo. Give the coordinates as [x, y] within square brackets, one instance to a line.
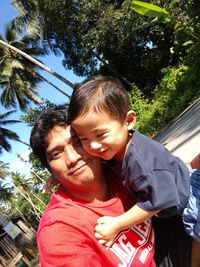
[100, 93]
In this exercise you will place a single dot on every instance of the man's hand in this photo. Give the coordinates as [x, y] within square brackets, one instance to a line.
[107, 229]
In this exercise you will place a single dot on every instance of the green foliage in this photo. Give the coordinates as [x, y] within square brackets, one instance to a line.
[140, 105]
[108, 34]
[6, 134]
[18, 75]
[4, 170]
[179, 87]
[22, 195]
[33, 113]
[149, 10]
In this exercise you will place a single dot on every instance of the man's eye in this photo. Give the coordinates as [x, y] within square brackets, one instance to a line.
[55, 155]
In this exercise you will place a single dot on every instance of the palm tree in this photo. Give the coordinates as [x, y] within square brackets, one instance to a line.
[41, 65]
[4, 170]
[17, 79]
[5, 189]
[24, 188]
[6, 134]
[31, 19]
[17, 53]
[5, 192]
[6, 195]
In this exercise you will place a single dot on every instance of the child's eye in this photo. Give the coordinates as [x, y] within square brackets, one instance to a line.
[101, 134]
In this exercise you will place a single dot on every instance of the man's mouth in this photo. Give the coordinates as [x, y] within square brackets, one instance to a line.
[77, 169]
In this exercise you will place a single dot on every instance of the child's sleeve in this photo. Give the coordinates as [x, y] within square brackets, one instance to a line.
[157, 190]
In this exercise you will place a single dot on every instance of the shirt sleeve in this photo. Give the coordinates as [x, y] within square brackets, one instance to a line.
[157, 191]
[60, 245]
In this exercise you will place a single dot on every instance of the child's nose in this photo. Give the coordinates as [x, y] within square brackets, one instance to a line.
[95, 145]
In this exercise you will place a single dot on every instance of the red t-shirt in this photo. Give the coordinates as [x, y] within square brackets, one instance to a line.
[66, 234]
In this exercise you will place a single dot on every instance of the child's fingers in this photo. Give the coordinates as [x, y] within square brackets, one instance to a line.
[100, 220]
[101, 241]
[99, 228]
[109, 243]
[98, 236]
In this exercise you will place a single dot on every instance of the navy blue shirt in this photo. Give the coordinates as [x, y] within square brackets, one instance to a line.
[158, 179]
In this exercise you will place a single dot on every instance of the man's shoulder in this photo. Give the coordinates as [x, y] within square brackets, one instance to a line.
[59, 205]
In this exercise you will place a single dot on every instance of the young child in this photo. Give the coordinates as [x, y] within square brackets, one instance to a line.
[101, 114]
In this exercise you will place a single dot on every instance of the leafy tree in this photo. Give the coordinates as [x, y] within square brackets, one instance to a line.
[110, 36]
[18, 77]
[20, 194]
[30, 117]
[6, 195]
[6, 192]
[103, 34]
[4, 169]
[20, 70]
[40, 64]
[5, 134]
[29, 200]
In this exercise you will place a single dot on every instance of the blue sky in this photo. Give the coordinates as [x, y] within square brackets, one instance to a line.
[7, 13]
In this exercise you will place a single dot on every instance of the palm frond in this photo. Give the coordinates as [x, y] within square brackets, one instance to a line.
[4, 144]
[17, 64]
[9, 134]
[6, 114]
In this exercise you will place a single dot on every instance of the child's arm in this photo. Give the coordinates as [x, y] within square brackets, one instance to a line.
[108, 227]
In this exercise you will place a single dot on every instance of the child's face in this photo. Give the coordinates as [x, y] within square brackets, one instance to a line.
[103, 136]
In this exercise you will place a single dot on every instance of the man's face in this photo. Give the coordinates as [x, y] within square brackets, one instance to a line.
[69, 163]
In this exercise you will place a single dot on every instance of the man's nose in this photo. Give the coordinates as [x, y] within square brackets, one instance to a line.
[72, 156]
[95, 145]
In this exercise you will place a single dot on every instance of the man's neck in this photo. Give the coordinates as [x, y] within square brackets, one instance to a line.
[97, 192]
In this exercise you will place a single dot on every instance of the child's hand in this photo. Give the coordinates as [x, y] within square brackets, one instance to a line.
[51, 182]
[107, 229]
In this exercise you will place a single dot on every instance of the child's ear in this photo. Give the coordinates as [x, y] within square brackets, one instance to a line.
[131, 119]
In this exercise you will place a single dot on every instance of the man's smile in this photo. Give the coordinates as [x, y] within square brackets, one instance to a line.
[77, 169]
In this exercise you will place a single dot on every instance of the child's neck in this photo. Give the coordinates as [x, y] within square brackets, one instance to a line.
[122, 153]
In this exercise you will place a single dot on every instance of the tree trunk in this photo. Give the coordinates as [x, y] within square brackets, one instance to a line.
[53, 85]
[40, 64]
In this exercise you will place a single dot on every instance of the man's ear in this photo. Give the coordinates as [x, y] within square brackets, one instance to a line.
[130, 119]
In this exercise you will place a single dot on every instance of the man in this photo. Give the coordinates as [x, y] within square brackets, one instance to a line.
[88, 191]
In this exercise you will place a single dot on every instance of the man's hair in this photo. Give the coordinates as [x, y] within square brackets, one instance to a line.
[100, 93]
[45, 122]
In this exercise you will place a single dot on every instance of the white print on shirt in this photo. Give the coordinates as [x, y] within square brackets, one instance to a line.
[143, 231]
[126, 249]
[145, 252]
